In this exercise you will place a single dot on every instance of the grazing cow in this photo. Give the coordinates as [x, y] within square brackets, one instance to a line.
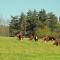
[52, 38]
[20, 36]
[57, 42]
[48, 38]
[36, 38]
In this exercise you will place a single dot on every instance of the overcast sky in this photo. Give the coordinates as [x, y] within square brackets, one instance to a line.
[15, 7]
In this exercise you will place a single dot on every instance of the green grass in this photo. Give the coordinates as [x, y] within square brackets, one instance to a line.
[13, 49]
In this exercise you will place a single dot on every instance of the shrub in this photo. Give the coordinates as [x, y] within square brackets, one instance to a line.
[43, 32]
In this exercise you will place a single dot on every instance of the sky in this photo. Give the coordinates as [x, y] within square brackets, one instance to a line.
[10, 8]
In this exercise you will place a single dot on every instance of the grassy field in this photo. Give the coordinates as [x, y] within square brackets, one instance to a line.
[13, 49]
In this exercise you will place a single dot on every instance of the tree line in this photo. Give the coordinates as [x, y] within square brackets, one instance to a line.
[4, 28]
[35, 22]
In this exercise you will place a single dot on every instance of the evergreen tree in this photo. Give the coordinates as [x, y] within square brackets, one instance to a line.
[13, 26]
[52, 21]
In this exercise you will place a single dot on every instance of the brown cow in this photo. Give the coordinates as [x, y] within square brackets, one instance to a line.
[48, 38]
[52, 38]
[57, 42]
[20, 36]
[35, 37]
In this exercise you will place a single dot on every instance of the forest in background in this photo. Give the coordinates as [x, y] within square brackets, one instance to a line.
[4, 27]
[37, 22]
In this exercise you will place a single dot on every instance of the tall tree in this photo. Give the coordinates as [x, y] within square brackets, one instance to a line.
[32, 21]
[14, 26]
[52, 21]
[29, 22]
[42, 15]
[22, 22]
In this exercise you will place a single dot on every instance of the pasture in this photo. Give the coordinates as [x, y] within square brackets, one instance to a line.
[13, 49]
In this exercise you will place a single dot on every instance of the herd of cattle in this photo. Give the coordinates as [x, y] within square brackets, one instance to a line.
[35, 37]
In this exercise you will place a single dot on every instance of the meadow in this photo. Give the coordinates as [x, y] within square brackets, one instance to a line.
[13, 49]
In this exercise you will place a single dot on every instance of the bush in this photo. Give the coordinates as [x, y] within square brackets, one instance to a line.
[43, 32]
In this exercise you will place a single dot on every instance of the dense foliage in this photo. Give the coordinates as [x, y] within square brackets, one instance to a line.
[40, 23]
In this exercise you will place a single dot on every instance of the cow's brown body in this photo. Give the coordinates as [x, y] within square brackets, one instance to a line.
[48, 38]
[20, 36]
[57, 42]
[35, 37]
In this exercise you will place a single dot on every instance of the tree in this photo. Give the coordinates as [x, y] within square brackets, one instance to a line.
[29, 22]
[22, 23]
[32, 21]
[52, 21]
[42, 16]
[13, 26]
